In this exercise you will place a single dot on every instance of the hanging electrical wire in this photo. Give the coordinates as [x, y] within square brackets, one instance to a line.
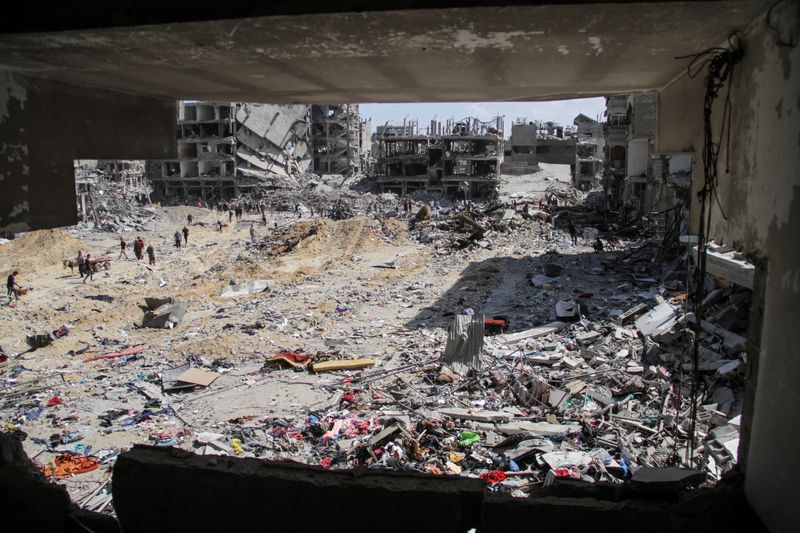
[718, 64]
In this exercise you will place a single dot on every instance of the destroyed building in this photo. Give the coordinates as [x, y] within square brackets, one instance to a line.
[226, 149]
[111, 193]
[589, 152]
[337, 134]
[638, 181]
[520, 150]
[459, 158]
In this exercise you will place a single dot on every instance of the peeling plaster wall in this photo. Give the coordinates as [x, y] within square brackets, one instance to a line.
[762, 200]
[760, 194]
[45, 125]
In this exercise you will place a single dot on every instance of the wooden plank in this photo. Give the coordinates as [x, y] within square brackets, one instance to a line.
[540, 331]
[343, 364]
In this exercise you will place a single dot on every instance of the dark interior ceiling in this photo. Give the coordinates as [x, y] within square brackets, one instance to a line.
[488, 53]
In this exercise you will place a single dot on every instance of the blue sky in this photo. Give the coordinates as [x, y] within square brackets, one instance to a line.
[562, 111]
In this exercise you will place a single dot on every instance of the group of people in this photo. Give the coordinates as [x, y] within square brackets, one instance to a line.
[86, 266]
[177, 237]
[407, 205]
[139, 249]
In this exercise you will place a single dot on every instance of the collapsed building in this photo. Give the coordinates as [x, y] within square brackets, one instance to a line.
[111, 194]
[538, 142]
[459, 157]
[638, 181]
[225, 149]
[588, 152]
[338, 136]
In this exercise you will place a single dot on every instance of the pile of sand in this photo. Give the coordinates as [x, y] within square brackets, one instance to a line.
[38, 249]
[340, 239]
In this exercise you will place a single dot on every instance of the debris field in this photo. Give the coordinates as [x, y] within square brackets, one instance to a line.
[450, 339]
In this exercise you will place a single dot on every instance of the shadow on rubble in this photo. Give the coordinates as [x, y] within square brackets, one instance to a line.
[524, 290]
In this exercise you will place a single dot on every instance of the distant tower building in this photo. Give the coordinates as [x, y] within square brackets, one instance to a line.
[336, 138]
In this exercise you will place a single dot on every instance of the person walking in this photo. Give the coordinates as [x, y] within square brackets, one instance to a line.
[89, 267]
[263, 218]
[573, 232]
[138, 248]
[177, 237]
[151, 254]
[11, 285]
[219, 225]
[252, 233]
[185, 236]
[81, 260]
[230, 216]
[189, 219]
[122, 247]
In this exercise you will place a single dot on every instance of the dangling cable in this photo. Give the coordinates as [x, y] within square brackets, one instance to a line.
[719, 64]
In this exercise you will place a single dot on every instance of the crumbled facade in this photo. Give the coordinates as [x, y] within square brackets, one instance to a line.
[588, 152]
[337, 136]
[226, 149]
[459, 157]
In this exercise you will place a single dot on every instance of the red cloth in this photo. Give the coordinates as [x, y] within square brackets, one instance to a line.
[348, 397]
[494, 322]
[292, 358]
[495, 476]
[326, 463]
[68, 465]
[55, 400]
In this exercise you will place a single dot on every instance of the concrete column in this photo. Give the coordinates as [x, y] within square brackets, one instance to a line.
[45, 125]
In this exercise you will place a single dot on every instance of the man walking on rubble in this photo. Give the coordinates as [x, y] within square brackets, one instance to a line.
[230, 216]
[263, 217]
[11, 285]
[122, 247]
[151, 254]
[219, 225]
[185, 236]
[252, 233]
[177, 237]
[189, 219]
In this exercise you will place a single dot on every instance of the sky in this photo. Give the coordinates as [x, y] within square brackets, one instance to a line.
[561, 111]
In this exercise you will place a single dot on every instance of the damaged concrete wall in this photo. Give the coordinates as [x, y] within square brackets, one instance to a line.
[45, 125]
[272, 139]
[761, 198]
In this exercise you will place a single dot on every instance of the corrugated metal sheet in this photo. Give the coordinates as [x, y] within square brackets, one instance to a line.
[464, 343]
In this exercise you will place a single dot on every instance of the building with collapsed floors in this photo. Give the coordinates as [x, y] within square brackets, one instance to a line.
[588, 152]
[464, 159]
[337, 136]
[519, 152]
[225, 149]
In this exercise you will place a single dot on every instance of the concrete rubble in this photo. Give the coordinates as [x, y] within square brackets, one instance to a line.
[310, 353]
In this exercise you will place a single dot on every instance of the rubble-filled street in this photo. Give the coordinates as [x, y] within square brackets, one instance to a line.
[324, 339]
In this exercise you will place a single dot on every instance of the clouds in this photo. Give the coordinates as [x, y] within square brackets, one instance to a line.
[562, 111]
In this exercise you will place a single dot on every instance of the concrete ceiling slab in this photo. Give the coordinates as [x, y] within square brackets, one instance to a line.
[464, 54]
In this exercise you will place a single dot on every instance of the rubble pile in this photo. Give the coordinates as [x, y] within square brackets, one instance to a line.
[115, 203]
